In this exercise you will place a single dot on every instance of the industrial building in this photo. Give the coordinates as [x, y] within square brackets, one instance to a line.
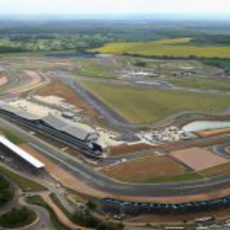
[10, 147]
[75, 134]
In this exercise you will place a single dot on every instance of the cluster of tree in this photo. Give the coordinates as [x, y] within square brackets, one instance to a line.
[30, 37]
[140, 64]
[86, 34]
[167, 57]
[10, 49]
[30, 43]
[6, 191]
[17, 218]
[86, 219]
[85, 216]
[220, 63]
[212, 39]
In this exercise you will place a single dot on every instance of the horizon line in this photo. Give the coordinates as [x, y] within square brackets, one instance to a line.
[116, 17]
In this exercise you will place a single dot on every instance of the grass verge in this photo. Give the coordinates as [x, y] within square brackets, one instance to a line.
[218, 170]
[11, 136]
[203, 84]
[59, 204]
[25, 184]
[169, 179]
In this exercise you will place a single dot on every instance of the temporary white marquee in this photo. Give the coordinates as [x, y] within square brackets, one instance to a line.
[205, 125]
[21, 153]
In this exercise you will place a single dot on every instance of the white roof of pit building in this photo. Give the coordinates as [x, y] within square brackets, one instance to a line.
[76, 129]
[20, 112]
[21, 153]
[32, 108]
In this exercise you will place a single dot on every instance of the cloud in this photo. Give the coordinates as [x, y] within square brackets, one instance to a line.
[114, 6]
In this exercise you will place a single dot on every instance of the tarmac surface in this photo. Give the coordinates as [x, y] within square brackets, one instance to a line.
[222, 150]
[101, 182]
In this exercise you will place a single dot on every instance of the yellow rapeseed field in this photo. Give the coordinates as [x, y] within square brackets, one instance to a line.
[179, 47]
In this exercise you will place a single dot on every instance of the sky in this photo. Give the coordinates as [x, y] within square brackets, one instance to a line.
[218, 8]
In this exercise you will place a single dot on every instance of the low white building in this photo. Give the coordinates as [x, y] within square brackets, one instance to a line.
[21, 153]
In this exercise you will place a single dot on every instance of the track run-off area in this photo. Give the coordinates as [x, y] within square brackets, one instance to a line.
[111, 188]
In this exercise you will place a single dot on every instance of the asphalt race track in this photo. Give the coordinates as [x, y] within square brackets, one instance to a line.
[103, 183]
[223, 151]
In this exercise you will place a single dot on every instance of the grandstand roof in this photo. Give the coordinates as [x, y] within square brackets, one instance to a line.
[21, 153]
[18, 111]
[75, 129]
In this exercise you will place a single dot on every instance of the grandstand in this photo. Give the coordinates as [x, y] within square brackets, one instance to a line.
[74, 134]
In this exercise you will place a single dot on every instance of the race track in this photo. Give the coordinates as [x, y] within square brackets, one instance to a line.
[100, 182]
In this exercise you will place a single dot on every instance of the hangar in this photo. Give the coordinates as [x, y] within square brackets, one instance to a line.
[11, 147]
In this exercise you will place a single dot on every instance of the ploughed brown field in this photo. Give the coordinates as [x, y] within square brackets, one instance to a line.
[3, 80]
[34, 77]
[198, 158]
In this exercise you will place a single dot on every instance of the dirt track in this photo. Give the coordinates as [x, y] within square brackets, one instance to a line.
[34, 76]
[209, 133]
[3, 80]
[60, 215]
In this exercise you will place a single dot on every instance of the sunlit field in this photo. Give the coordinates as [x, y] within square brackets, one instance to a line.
[168, 47]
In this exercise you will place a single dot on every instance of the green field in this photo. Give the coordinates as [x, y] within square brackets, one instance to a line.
[179, 47]
[204, 84]
[145, 105]
[90, 68]
[169, 179]
[12, 136]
